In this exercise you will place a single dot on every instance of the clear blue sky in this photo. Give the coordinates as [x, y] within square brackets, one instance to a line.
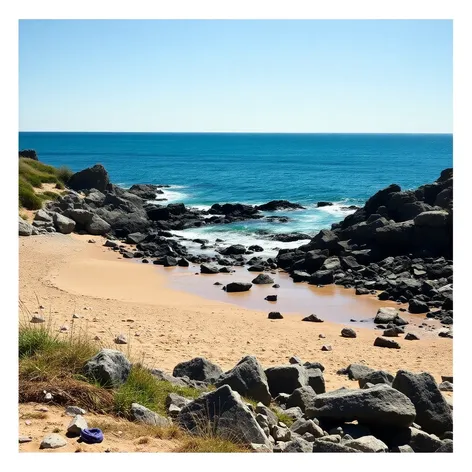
[216, 75]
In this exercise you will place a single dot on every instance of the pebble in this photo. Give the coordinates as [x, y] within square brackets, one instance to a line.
[37, 319]
[326, 347]
[27, 422]
[91, 241]
[74, 316]
[42, 408]
[121, 339]
[321, 336]
[63, 329]
[48, 396]
[52, 441]
[96, 338]
[24, 439]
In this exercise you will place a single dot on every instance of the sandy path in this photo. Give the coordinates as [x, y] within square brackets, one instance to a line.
[167, 326]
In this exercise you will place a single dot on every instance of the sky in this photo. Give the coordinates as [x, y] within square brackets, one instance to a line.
[301, 76]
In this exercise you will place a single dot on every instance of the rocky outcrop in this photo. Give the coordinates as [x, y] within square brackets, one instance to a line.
[198, 368]
[93, 177]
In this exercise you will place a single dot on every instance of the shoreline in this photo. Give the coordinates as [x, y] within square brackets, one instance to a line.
[67, 274]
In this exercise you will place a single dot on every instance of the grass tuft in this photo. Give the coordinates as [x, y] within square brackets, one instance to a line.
[283, 417]
[209, 444]
[143, 388]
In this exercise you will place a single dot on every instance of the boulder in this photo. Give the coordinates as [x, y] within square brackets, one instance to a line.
[316, 380]
[367, 444]
[145, 191]
[238, 287]
[433, 413]
[298, 445]
[432, 219]
[302, 426]
[141, 414]
[275, 315]
[417, 306]
[93, 177]
[97, 226]
[235, 249]
[385, 315]
[380, 405]
[223, 413]
[198, 368]
[208, 269]
[63, 224]
[263, 279]
[411, 337]
[356, 371]
[248, 379]
[286, 378]
[376, 377]
[109, 367]
[24, 228]
[322, 277]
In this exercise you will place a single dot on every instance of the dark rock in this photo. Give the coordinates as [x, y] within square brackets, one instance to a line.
[183, 262]
[97, 226]
[63, 224]
[235, 249]
[145, 191]
[390, 343]
[376, 377]
[411, 337]
[447, 446]
[29, 154]
[301, 397]
[275, 315]
[276, 286]
[92, 177]
[348, 333]
[263, 279]
[248, 379]
[275, 205]
[322, 277]
[109, 367]
[417, 306]
[208, 269]
[285, 379]
[380, 405]
[271, 298]
[445, 386]
[227, 416]
[313, 318]
[362, 291]
[135, 238]
[432, 411]
[198, 368]
[298, 445]
[356, 371]
[326, 347]
[323, 204]
[316, 380]
[238, 287]
[390, 333]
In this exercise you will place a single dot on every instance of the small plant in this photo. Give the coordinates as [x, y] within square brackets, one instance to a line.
[143, 388]
[64, 174]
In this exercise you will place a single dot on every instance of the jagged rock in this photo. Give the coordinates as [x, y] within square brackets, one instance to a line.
[248, 379]
[208, 269]
[376, 377]
[298, 445]
[380, 405]
[417, 306]
[325, 446]
[285, 379]
[302, 426]
[224, 412]
[198, 368]
[141, 414]
[385, 315]
[316, 380]
[411, 337]
[177, 400]
[24, 228]
[76, 426]
[93, 177]
[432, 411]
[108, 367]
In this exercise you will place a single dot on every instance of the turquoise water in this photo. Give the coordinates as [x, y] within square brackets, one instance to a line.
[255, 168]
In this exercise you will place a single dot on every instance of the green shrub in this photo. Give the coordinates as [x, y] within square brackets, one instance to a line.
[48, 195]
[34, 340]
[27, 198]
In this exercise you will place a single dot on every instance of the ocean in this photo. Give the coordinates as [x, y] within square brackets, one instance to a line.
[207, 168]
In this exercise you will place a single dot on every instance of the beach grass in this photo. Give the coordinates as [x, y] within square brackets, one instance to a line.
[143, 388]
[32, 175]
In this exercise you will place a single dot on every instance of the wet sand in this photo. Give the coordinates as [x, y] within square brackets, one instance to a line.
[165, 326]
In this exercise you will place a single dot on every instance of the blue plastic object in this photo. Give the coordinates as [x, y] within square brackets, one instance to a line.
[91, 436]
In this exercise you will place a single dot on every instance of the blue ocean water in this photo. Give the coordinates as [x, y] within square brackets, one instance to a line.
[206, 168]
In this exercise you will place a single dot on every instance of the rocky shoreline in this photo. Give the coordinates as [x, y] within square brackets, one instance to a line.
[402, 413]
[398, 246]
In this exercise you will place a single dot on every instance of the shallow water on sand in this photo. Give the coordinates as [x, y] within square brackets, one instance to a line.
[331, 303]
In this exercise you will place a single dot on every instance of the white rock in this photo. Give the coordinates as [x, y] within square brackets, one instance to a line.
[367, 444]
[52, 441]
[48, 396]
[74, 410]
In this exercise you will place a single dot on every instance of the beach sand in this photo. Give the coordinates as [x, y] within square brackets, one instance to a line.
[164, 326]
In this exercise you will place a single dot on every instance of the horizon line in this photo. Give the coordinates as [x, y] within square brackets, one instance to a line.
[239, 132]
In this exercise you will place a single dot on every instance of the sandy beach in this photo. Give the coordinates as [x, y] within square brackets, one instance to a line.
[67, 275]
